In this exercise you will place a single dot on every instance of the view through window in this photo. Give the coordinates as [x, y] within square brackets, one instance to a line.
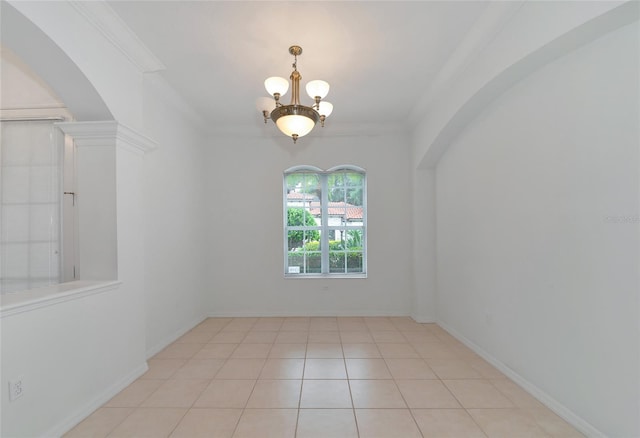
[325, 221]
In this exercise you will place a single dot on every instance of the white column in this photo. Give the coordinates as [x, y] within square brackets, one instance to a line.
[108, 194]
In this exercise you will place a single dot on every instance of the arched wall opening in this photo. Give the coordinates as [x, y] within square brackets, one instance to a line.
[43, 86]
[51, 63]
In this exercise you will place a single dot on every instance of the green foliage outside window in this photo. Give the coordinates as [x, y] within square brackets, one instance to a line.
[345, 187]
[300, 217]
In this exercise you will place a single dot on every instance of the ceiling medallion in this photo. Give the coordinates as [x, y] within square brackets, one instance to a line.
[295, 120]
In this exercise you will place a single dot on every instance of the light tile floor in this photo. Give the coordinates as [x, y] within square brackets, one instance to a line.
[321, 377]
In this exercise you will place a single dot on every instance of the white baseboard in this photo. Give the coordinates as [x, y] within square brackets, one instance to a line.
[172, 337]
[421, 319]
[417, 318]
[561, 410]
[74, 419]
[284, 314]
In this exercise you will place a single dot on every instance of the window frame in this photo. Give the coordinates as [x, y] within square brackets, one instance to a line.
[324, 227]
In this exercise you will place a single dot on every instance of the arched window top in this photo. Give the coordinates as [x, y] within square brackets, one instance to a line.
[340, 167]
[349, 167]
[303, 168]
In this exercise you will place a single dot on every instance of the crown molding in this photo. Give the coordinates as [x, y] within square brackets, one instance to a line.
[135, 141]
[36, 112]
[104, 132]
[101, 16]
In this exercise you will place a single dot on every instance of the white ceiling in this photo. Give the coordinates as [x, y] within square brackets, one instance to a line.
[379, 57]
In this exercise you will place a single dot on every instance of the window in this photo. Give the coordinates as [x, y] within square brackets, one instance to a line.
[325, 218]
[31, 175]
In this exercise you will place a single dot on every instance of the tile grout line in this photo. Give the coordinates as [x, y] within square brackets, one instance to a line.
[458, 355]
[353, 407]
[235, 429]
[408, 408]
[210, 381]
[304, 366]
[119, 423]
[456, 398]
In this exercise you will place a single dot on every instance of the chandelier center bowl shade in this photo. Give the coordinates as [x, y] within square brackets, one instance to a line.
[295, 120]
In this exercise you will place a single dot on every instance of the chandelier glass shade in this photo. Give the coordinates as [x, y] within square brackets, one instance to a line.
[295, 120]
[276, 85]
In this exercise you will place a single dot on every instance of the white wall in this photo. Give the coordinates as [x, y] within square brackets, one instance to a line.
[70, 355]
[175, 219]
[530, 269]
[74, 350]
[245, 223]
[70, 358]
[74, 355]
[424, 245]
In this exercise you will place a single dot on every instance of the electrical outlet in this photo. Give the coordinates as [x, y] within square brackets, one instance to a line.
[16, 388]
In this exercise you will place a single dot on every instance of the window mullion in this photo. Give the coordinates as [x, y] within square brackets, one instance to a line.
[286, 224]
[324, 235]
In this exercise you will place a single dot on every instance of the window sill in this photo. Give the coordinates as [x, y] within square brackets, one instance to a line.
[326, 276]
[28, 300]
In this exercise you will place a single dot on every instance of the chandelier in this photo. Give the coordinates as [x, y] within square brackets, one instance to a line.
[295, 120]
